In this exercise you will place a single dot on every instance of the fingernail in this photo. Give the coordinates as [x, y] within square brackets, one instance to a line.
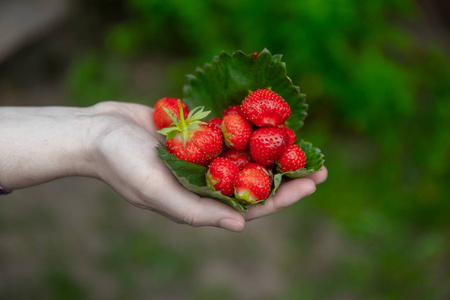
[231, 224]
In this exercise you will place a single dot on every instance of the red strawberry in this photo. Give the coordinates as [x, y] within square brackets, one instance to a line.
[267, 144]
[265, 108]
[221, 175]
[252, 186]
[236, 131]
[216, 122]
[160, 117]
[240, 157]
[292, 159]
[261, 167]
[290, 132]
[191, 139]
[255, 166]
[233, 109]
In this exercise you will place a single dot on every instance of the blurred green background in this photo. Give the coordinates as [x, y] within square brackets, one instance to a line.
[377, 78]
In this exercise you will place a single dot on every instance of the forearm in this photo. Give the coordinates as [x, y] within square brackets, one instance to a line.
[40, 144]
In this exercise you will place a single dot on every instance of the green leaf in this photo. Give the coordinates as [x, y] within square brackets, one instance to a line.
[193, 126]
[314, 161]
[276, 183]
[171, 115]
[198, 114]
[192, 177]
[167, 130]
[227, 80]
[171, 135]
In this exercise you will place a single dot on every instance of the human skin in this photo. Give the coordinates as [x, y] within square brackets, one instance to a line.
[114, 142]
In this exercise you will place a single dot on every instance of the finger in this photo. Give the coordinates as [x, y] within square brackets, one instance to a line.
[288, 193]
[186, 207]
[210, 212]
[319, 176]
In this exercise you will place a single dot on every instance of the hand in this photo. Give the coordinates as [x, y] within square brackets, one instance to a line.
[132, 168]
[115, 142]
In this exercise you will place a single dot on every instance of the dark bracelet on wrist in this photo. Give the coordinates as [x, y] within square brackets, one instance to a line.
[4, 191]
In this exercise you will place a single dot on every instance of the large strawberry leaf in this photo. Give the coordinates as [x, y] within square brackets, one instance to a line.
[314, 161]
[227, 80]
[192, 177]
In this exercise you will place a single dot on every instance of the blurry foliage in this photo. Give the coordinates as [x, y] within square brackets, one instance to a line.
[62, 286]
[140, 255]
[94, 77]
[379, 102]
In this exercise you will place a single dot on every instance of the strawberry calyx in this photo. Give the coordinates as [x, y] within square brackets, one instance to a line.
[183, 126]
[226, 136]
[245, 197]
[210, 182]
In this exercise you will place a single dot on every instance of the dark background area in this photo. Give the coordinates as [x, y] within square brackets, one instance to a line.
[376, 75]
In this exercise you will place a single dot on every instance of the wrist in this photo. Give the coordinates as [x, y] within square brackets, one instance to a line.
[43, 144]
[102, 123]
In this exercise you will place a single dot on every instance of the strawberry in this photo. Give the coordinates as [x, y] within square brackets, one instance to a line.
[160, 117]
[255, 166]
[267, 144]
[233, 109]
[261, 167]
[265, 108]
[221, 175]
[236, 131]
[252, 186]
[193, 140]
[240, 157]
[216, 122]
[292, 159]
[290, 132]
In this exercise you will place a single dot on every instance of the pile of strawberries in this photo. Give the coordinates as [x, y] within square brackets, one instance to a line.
[242, 149]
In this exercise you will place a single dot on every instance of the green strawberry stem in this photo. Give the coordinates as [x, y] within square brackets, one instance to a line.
[183, 122]
[183, 127]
